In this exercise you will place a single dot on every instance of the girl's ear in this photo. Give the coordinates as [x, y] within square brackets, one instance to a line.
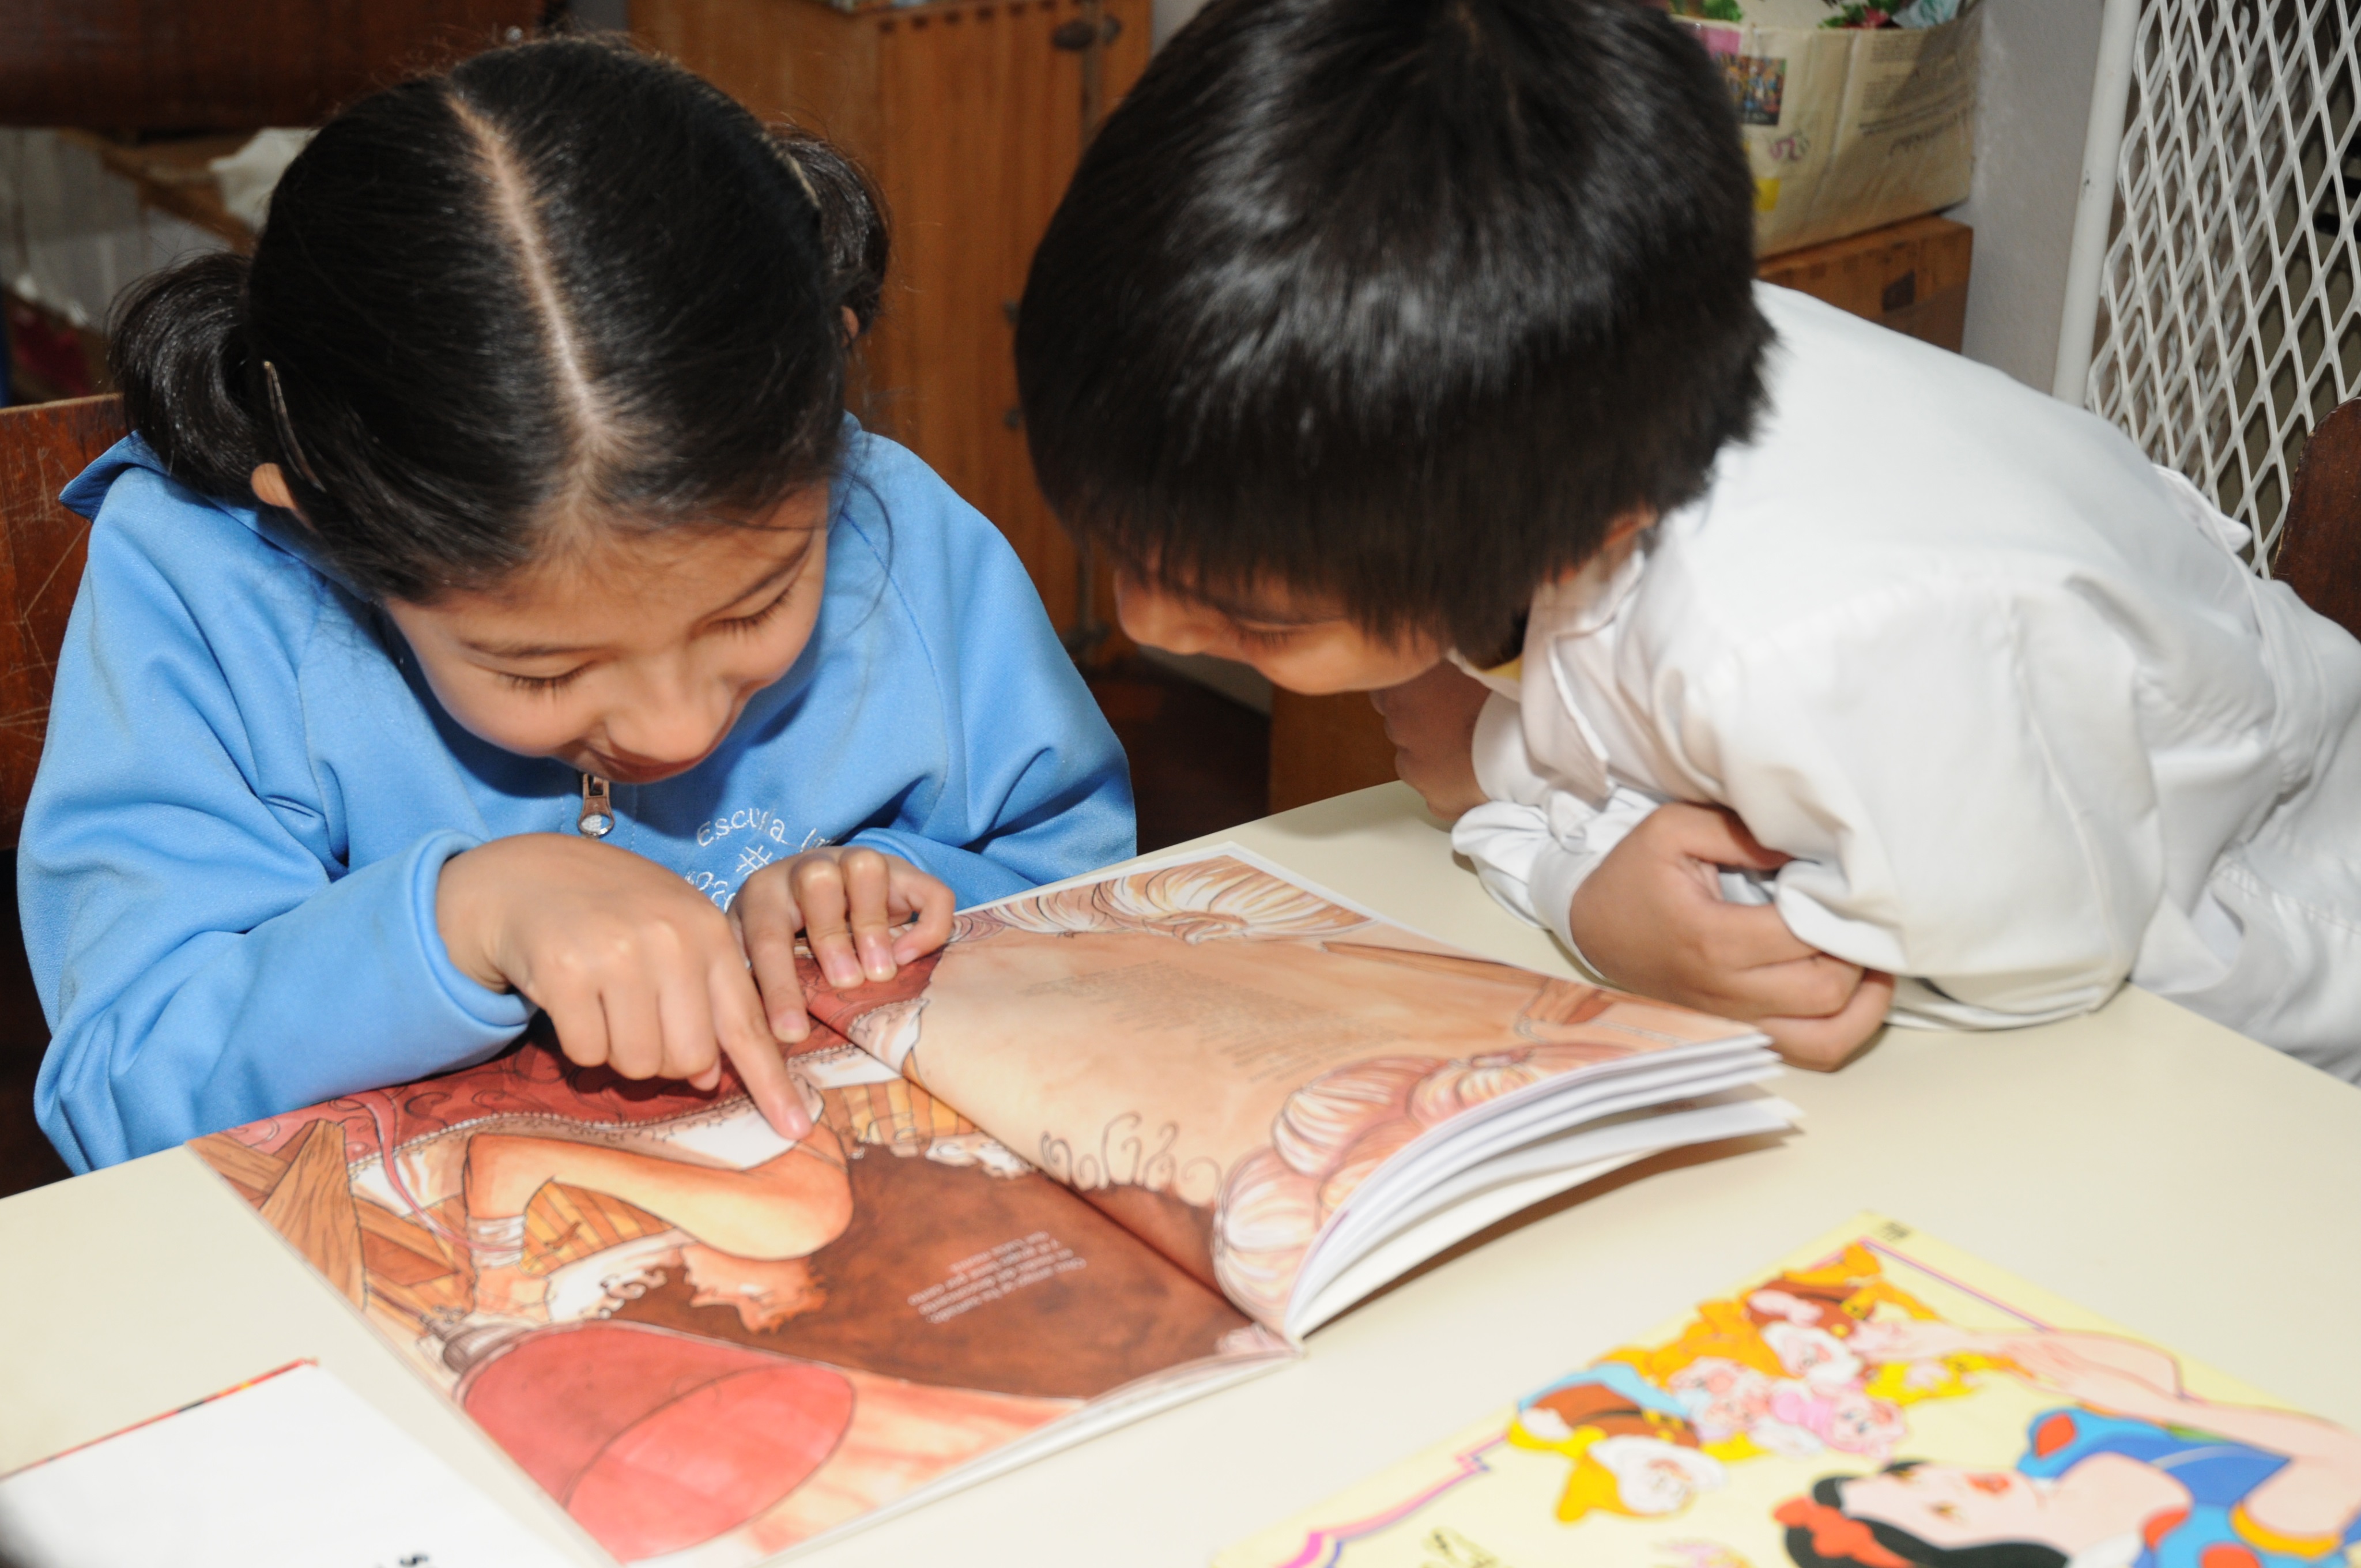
[271, 489]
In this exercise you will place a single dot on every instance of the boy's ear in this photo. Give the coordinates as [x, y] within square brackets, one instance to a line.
[1629, 523]
[271, 489]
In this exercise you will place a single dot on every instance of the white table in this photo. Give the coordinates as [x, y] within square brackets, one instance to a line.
[2200, 1189]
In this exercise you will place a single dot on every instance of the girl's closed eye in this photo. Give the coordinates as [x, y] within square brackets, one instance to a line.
[784, 581]
[741, 624]
[541, 682]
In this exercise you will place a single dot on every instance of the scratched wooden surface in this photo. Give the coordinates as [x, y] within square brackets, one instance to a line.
[42, 445]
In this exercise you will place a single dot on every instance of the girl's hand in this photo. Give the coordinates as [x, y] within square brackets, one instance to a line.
[637, 970]
[847, 902]
[1652, 919]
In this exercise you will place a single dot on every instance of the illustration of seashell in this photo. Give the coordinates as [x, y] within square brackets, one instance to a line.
[1268, 1215]
[1324, 1117]
[1205, 899]
[1370, 1150]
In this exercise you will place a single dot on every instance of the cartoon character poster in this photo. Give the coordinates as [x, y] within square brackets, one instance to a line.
[1881, 1401]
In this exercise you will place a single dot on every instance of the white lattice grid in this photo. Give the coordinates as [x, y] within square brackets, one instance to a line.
[2227, 322]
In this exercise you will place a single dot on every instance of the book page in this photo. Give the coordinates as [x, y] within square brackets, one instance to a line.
[709, 1343]
[293, 1467]
[1878, 1401]
[1218, 1055]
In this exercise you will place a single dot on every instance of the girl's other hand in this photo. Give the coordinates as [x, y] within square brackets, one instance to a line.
[847, 902]
[637, 970]
[1652, 919]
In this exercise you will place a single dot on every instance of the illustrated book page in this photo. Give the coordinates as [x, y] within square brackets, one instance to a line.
[1271, 1083]
[710, 1344]
[1878, 1401]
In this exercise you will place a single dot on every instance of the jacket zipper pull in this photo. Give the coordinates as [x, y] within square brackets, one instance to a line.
[597, 819]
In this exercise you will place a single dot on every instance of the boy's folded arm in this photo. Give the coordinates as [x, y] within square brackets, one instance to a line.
[1531, 859]
[1962, 783]
[1534, 842]
[200, 963]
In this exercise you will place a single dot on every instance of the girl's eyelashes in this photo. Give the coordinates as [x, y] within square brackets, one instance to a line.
[736, 626]
[544, 684]
[1269, 640]
[744, 623]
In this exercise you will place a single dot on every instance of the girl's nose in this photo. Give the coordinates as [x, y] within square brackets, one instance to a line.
[672, 724]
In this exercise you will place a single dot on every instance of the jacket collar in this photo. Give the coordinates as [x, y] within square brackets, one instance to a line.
[280, 528]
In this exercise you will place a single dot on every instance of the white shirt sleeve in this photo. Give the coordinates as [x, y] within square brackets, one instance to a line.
[1961, 774]
[1532, 842]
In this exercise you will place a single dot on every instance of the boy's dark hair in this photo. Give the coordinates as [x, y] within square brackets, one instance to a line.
[558, 281]
[1396, 302]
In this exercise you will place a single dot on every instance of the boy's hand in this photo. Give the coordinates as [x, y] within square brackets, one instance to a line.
[847, 902]
[1431, 722]
[1652, 917]
[637, 970]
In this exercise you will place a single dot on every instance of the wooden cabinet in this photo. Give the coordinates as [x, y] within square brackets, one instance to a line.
[183, 65]
[970, 114]
[1322, 746]
[1911, 277]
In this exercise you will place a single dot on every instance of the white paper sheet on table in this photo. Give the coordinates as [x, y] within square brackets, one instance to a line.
[292, 1468]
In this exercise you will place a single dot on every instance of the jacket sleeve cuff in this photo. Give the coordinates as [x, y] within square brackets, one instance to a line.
[479, 1005]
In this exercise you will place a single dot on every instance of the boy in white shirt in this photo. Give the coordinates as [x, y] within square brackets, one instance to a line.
[1412, 347]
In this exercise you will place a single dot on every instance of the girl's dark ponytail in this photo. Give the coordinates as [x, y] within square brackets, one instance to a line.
[852, 221]
[177, 347]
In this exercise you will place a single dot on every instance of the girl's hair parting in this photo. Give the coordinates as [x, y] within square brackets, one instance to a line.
[1820, 1534]
[1398, 301]
[559, 282]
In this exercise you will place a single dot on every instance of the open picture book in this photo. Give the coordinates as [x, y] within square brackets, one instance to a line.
[1121, 1141]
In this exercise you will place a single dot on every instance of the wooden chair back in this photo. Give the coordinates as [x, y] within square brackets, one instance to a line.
[2320, 549]
[42, 546]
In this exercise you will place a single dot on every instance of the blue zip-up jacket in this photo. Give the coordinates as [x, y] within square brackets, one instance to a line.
[229, 866]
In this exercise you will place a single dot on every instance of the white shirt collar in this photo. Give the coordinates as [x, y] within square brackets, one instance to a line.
[1574, 606]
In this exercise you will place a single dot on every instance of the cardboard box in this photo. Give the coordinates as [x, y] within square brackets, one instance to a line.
[1846, 128]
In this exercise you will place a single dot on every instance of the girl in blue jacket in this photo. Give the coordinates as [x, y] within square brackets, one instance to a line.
[495, 611]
